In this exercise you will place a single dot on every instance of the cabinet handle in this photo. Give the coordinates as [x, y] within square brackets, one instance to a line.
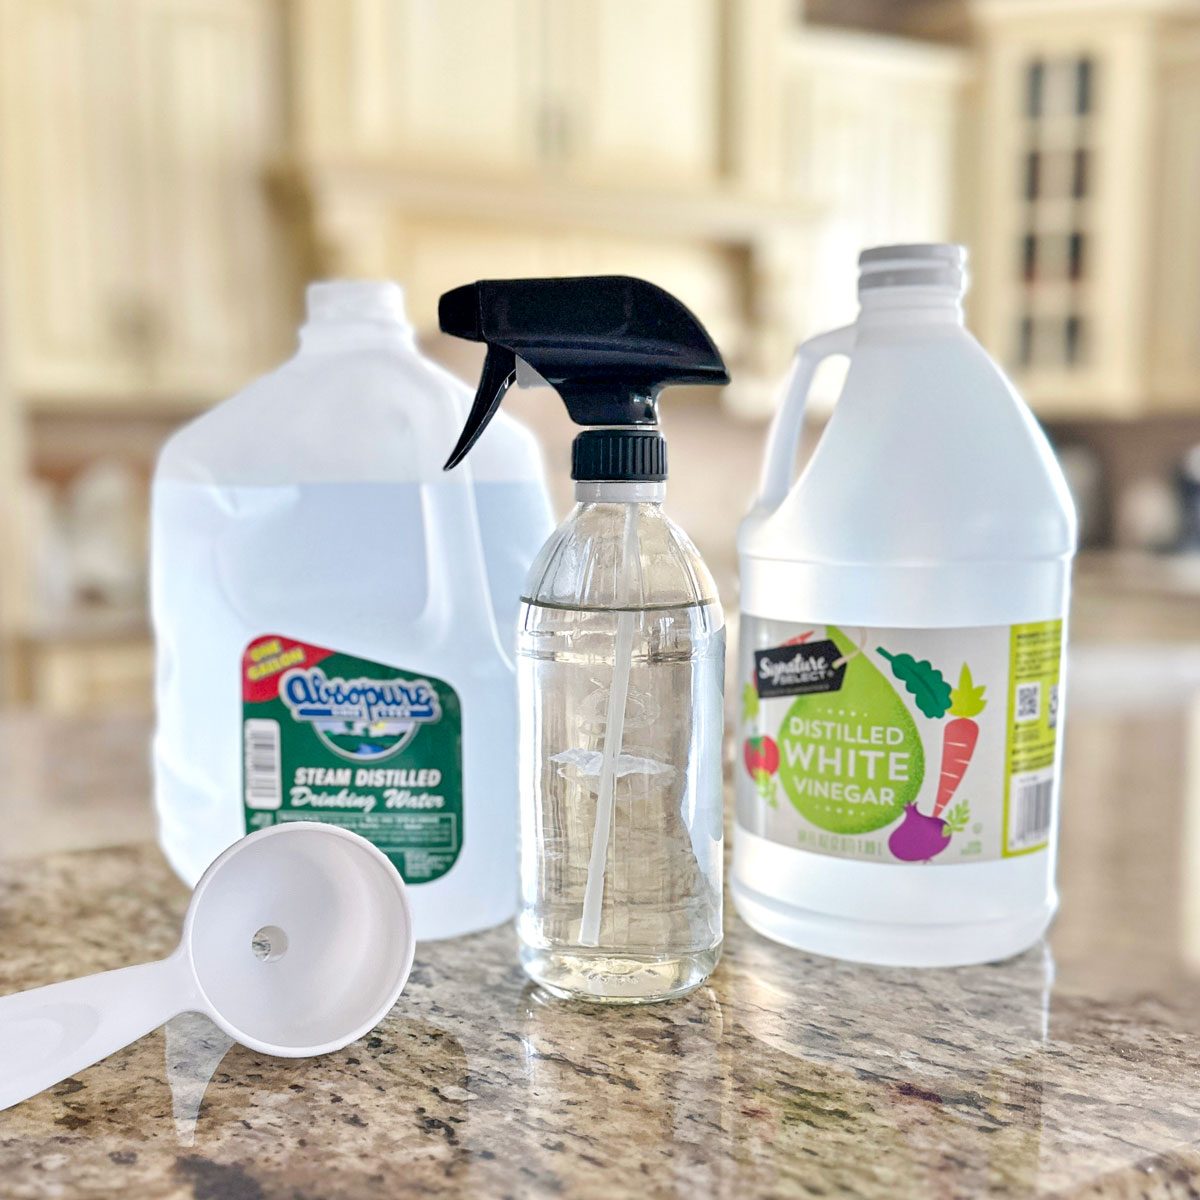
[544, 132]
[565, 130]
[553, 132]
[136, 325]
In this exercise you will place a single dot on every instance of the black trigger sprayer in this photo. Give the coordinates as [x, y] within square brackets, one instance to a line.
[608, 344]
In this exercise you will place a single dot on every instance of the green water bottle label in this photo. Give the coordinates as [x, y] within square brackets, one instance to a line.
[373, 748]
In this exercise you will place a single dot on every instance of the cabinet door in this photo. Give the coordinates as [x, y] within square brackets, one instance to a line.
[447, 84]
[639, 81]
[209, 107]
[870, 136]
[70, 254]
[1174, 325]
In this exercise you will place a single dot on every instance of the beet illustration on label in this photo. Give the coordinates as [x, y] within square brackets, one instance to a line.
[920, 837]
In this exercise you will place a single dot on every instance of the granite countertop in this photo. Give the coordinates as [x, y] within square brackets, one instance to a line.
[1071, 1071]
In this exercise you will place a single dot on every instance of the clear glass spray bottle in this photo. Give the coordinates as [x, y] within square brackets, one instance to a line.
[621, 650]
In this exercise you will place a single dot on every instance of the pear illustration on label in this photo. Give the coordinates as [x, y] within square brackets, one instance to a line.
[851, 760]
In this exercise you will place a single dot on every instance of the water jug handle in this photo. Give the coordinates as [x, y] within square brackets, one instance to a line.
[784, 438]
[451, 521]
[458, 596]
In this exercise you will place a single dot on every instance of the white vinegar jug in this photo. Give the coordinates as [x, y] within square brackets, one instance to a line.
[335, 615]
[902, 642]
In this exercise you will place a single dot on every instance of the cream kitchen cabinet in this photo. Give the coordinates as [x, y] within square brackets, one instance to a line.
[871, 131]
[620, 92]
[217, 270]
[450, 85]
[638, 87]
[72, 677]
[1174, 341]
[73, 300]
[139, 260]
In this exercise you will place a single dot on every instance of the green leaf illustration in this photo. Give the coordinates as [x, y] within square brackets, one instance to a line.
[959, 817]
[749, 702]
[923, 680]
[968, 698]
[766, 786]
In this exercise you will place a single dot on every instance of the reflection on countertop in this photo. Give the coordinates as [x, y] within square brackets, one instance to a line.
[1069, 1070]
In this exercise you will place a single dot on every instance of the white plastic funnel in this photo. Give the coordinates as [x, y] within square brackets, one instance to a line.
[297, 941]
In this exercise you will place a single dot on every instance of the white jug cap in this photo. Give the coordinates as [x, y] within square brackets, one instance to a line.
[355, 300]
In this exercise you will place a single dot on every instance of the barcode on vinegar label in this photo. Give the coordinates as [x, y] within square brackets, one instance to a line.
[1032, 797]
[1035, 662]
[262, 775]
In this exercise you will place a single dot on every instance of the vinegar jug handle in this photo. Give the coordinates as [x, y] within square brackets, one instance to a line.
[784, 438]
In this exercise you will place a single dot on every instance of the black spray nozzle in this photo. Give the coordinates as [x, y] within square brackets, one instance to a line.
[608, 344]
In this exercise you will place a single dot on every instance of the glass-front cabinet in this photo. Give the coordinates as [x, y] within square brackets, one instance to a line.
[1077, 242]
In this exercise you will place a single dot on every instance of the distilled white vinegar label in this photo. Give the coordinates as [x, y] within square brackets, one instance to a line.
[900, 745]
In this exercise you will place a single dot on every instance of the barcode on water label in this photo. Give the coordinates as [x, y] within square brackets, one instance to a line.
[1029, 810]
[262, 765]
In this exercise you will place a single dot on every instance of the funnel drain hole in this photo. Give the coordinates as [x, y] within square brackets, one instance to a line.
[269, 943]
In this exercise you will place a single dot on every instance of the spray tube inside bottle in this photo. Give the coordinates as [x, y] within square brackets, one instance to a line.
[608, 345]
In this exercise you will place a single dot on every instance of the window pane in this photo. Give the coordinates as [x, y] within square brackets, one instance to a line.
[1079, 179]
[1032, 171]
[1083, 86]
[1075, 256]
[1073, 338]
[1025, 341]
[1029, 257]
[1035, 81]
[1057, 168]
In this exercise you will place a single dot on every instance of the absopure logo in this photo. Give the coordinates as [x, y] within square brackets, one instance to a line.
[360, 719]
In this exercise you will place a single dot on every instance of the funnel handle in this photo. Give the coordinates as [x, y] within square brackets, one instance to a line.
[47, 1034]
[784, 439]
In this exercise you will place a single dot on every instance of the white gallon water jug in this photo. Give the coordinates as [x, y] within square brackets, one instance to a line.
[902, 644]
[335, 615]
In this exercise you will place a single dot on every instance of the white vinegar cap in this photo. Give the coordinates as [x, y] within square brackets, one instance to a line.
[929, 264]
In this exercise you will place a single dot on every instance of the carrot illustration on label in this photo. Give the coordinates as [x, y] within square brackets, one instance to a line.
[960, 736]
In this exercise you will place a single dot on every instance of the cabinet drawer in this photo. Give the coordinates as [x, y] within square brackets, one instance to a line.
[69, 678]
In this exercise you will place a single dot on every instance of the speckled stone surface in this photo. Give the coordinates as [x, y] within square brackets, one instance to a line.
[786, 1076]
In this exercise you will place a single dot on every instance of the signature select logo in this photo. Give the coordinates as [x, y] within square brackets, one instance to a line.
[797, 670]
[799, 667]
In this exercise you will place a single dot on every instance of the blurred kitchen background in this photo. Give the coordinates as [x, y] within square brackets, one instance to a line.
[173, 171]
